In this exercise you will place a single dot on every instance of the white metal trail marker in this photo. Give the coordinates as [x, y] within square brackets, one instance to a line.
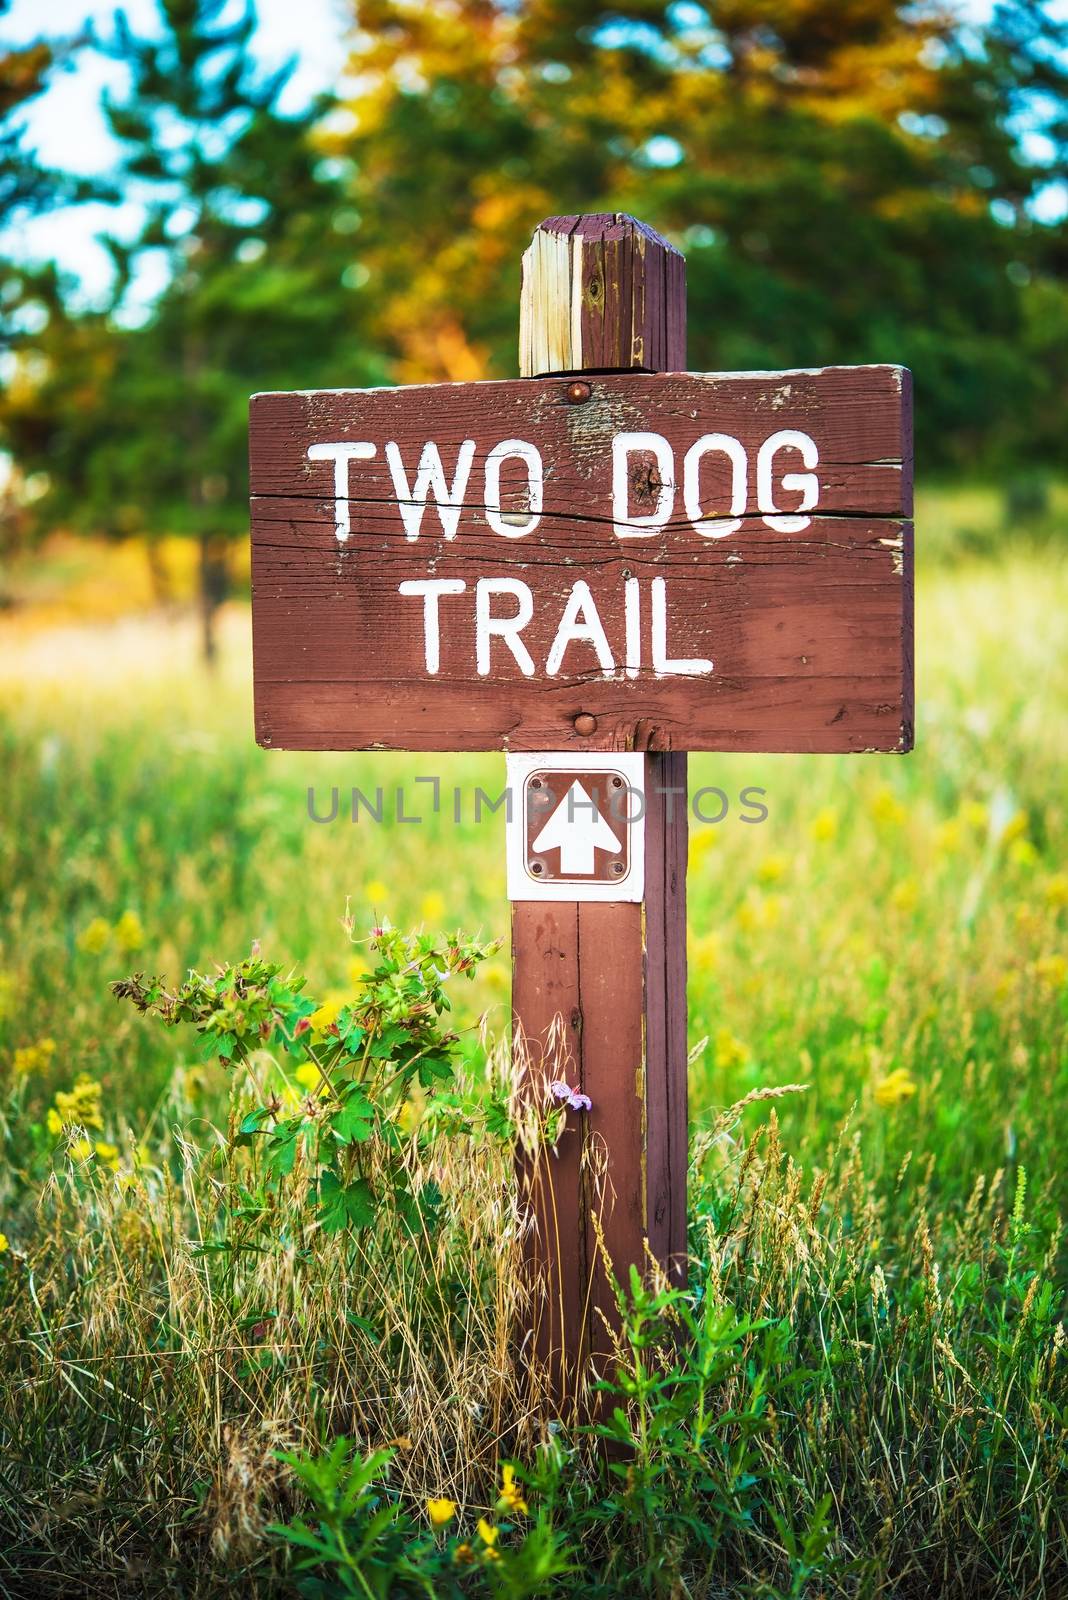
[576, 827]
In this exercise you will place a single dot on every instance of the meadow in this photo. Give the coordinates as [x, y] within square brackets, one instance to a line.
[864, 1391]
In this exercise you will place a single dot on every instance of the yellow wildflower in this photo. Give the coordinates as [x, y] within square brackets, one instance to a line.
[1022, 853]
[905, 895]
[463, 1555]
[749, 912]
[895, 1088]
[129, 934]
[94, 937]
[194, 1082]
[1056, 890]
[1052, 970]
[3, 1243]
[32, 1057]
[81, 1150]
[327, 1014]
[489, 1536]
[433, 907]
[705, 952]
[772, 868]
[758, 912]
[510, 1498]
[440, 1511]
[1015, 828]
[53, 1121]
[495, 975]
[886, 809]
[376, 892]
[824, 825]
[729, 1051]
[309, 1077]
[78, 1107]
[409, 1117]
[948, 836]
[700, 844]
[108, 1154]
[976, 815]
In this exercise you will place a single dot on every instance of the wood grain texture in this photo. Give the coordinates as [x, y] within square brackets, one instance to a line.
[547, 1037]
[599, 990]
[599, 998]
[810, 632]
[601, 292]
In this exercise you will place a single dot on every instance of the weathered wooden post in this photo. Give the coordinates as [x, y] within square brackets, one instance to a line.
[595, 568]
[599, 987]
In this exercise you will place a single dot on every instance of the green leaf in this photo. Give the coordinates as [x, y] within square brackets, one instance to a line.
[340, 1206]
[354, 1122]
[282, 1152]
[251, 1125]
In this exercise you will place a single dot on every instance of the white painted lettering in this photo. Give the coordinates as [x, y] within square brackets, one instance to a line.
[686, 667]
[581, 621]
[806, 484]
[624, 445]
[430, 475]
[431, 590]
[341, 454]
[632, 616]
[715, 527]
[510, 524]
[506, 628]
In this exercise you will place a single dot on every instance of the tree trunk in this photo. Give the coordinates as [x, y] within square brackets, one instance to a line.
[159, 576]
[214, 587]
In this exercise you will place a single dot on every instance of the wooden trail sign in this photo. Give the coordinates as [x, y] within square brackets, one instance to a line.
[609, 555]
[704, 561]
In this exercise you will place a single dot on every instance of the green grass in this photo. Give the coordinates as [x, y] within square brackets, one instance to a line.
[894, 935]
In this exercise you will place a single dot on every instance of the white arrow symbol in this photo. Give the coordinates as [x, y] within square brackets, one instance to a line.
[576, 828]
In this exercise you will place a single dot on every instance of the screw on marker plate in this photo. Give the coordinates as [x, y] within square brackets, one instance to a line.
[617, 783]
[617, 868]
[536, 868]
[585, 723]
[535, 783]
[577, 392]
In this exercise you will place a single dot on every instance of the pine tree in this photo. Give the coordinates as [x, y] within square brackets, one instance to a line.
[26, 186]
[137, 422]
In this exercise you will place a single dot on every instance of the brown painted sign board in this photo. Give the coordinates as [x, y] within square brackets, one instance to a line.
[680, 561]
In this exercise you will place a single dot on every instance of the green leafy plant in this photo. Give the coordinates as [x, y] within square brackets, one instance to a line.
[364, 1541]
[356, 1071]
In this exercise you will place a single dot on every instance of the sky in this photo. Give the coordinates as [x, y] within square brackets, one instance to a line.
[66, 128]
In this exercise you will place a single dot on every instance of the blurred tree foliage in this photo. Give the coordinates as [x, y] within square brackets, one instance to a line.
[25, 186]
[851, 180]
[137, 424]
[846, 178]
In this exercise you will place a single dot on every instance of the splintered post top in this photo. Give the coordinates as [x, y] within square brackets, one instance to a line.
[601, 293]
